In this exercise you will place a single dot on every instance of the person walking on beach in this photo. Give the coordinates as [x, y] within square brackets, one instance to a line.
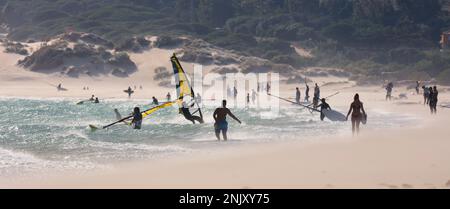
[389, 88]
[417, 87]
[355, 108]
[253, 96]
[297, 95]
[426, 94]
[221, 124]
[137, 118]
[248, 99]
[433, 99]
[235, 92]
[323, 106]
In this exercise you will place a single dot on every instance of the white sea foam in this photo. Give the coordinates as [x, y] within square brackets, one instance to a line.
[53, 133]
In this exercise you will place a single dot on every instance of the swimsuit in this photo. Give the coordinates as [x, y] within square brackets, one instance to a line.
[221, 125]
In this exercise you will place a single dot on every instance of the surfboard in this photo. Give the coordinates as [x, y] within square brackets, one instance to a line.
[364, 119]
[334, 115]
[93, 128]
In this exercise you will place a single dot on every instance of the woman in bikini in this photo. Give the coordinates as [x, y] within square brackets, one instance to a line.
[356, 107]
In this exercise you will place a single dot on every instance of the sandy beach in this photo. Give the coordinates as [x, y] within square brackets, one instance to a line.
[416, 156]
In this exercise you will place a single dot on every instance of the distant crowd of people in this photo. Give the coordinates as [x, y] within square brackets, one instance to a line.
[430, 95]
[430, 98]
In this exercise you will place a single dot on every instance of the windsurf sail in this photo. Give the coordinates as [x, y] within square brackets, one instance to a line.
[152, 110]
[185, 92]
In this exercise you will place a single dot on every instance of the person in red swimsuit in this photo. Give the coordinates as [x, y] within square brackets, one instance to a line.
[355, 108]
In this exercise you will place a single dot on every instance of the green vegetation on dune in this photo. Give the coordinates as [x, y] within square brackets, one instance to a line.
[370, 37]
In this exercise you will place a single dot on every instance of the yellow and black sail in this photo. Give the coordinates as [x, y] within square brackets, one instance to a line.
[183, 86]
[154, 109]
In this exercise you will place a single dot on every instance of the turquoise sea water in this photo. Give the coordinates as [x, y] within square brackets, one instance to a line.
[40, 134]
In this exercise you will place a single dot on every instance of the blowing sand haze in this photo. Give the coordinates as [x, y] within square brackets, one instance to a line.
[229, 96]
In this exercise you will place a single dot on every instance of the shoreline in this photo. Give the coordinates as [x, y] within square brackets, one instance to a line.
[394, 158]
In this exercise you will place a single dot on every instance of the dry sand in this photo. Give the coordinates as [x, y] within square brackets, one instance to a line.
[412, 157]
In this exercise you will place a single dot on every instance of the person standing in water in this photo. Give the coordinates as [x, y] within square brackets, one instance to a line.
[92, 98]
[355, 108]
[307, 93]
[221, 124]
[168, 96]
[316, 96]
[235, 92]
[297, 95]
[96, 100]
[323, 106]
[155, 101]
[137, 118]
[389, 88]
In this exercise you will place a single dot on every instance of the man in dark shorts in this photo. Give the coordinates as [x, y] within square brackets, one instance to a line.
[220, 116]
